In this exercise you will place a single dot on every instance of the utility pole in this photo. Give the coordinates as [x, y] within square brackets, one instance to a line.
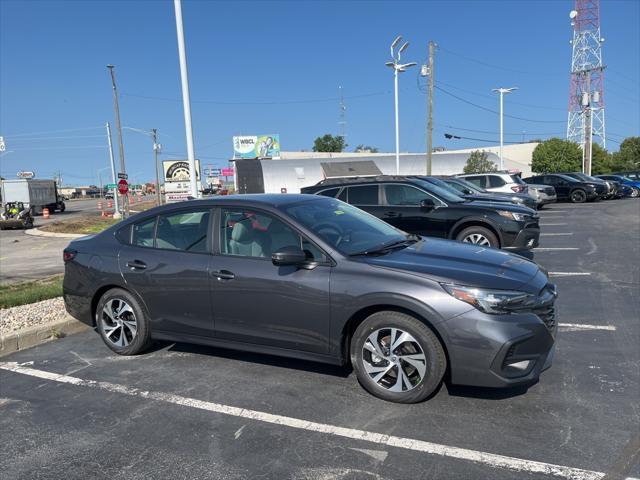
[186, 102]
[116, 213]
[156, 149]
[119, 127]
[432, 47]
[588, 130]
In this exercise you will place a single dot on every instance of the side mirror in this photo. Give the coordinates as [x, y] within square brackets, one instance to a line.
[288, 256]
[468, 192]
[427, 203]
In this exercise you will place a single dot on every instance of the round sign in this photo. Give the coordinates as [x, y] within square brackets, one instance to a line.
[123, 187]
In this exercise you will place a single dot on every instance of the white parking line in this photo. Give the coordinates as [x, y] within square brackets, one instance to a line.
[553, 224]
[577, 327]
[555, 234]
[553, 211]
[552, 249]
[489, 459]
[569, 274]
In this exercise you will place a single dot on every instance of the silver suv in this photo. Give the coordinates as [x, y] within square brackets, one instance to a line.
[497, 182]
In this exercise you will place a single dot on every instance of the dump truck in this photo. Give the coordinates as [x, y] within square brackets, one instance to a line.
[34, 194]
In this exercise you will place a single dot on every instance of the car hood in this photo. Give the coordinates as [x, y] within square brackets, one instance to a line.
[511, 207]
[497, 197]
[455, 262]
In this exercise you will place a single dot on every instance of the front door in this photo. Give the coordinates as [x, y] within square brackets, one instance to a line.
[257, 302]
[402, 210]
[563, 188]
[167, 265]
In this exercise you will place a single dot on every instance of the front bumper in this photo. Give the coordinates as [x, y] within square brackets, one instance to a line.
[499, 350]
[525, 239]
[546, 199]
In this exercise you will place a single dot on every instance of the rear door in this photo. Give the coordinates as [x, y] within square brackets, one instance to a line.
[562, 187]
[167, 265]
[495, 183]
[402, 210]
[477, 180]
[365, 197]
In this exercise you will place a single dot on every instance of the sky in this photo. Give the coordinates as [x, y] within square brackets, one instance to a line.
[275, 67]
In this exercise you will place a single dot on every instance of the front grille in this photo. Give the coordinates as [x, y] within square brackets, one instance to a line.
[548, 316]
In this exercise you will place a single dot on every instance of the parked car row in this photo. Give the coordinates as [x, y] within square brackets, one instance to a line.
[577, 187]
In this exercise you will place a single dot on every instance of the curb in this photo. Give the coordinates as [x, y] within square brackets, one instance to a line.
[39, 233]
[40, 334]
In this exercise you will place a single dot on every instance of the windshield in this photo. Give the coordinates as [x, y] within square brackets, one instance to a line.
[567, 178]
[462, 183]
[581, 176]
[442, 184]
[445, 193]
[346, 228]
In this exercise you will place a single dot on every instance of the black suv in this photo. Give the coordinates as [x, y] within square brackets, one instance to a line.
[569, 188]
[420, 207]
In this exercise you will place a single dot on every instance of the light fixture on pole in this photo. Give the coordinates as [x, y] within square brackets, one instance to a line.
[502, 91]
[398, 67]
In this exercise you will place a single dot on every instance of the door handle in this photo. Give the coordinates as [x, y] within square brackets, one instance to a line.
[223, 275]
[393, 214]
[136, 265]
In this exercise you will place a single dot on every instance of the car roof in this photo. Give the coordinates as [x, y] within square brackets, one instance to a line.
[358, 180]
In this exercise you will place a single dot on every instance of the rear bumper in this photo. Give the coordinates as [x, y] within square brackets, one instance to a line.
[545, 200]
[499, 350]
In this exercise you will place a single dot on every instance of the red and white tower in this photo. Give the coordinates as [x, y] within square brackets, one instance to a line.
[586, 92]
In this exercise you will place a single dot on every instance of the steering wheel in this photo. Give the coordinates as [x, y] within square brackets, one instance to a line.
[330, 232]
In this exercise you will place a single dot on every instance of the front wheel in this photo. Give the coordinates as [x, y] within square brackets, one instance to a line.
[397, 357]
[122, 322]
[480, 236]
[578, 196]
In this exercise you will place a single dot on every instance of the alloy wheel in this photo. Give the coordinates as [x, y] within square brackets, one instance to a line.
[394, 360]
[578, 197]
[477, 239]
[119, 323]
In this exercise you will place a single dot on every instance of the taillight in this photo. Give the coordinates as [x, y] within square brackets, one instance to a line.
[68, 255]
[517, 188]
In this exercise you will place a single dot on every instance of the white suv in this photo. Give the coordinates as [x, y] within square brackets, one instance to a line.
[497, 182]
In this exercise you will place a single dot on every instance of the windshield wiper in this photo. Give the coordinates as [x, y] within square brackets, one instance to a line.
[410, 239]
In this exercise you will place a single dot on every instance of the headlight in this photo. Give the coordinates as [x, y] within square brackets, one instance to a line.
[512, 215]
[488, 301]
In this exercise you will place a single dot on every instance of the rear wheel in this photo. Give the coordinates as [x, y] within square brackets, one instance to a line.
[478, 236]
[122, 323]
[578, 196]
[397, 357]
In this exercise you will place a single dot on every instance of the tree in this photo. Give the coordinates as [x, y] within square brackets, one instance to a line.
[600, 160]
[478, 162]
[556, 155]
[366, 149]
[329, 143]
[628, 158]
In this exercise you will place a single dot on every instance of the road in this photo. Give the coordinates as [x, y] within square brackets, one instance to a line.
[25, 257]
[73, 409]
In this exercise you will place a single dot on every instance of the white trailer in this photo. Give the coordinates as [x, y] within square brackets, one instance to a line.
[35, 194]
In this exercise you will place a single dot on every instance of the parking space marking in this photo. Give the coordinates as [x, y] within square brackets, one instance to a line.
[555, 234]
[551, 249]
[569, 274]
[553, 211]
[490, 459]
[553, 224]
[577, 327]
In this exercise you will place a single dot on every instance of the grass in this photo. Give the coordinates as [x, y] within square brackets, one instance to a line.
[30, 292]
[83, 225]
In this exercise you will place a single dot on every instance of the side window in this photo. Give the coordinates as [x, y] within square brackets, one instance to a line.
[123, 235]
[143, 233]
[363, 195]
[496, 182]
[404, 195]
[255, 234]
[478, 180]
[332, 192]
[457, 186]
[185, 231]
[343, 195]
[552, 180]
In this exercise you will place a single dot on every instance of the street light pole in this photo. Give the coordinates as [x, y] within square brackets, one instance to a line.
[397, 68]
[116, 106]
[156, 148]
[186, 102]
[116, 213]
[502, 91]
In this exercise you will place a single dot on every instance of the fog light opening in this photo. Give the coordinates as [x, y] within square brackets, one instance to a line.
[522, 365]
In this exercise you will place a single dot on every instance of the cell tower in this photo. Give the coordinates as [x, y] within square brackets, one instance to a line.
[586, 91]
[342, 124]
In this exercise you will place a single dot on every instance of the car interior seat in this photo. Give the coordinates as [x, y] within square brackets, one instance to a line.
[248, 242]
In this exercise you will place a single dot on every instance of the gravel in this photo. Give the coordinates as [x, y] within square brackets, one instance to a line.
[18, 318]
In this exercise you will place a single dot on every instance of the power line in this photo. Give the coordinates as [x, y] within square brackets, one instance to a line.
[506, 133]
[53, 131]
[494, 111]
[273, 102]
[458, 137]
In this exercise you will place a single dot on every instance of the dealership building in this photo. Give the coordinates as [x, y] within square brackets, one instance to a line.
[294, 170]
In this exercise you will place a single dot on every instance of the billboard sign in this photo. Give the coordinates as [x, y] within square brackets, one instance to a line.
[178, 170]
[256, 146]
[227, 172]
[22, 174]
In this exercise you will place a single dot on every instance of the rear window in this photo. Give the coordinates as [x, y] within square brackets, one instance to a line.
[516, 179]
[123, 235]
[478, 180]
[332, 192]
[143, 233]
[363, 195]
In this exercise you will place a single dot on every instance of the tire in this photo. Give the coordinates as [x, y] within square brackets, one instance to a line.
[478, 236]
[578, 196]
[420, 344]
[635, 192]
[132, 323]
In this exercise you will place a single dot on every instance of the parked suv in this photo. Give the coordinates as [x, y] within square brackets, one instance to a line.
[313, 278]
[416, 206]
[497, 182]
[471, 191]
[608, 191]
[568, 188]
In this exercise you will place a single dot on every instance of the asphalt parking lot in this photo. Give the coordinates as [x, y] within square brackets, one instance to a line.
[72, 409]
